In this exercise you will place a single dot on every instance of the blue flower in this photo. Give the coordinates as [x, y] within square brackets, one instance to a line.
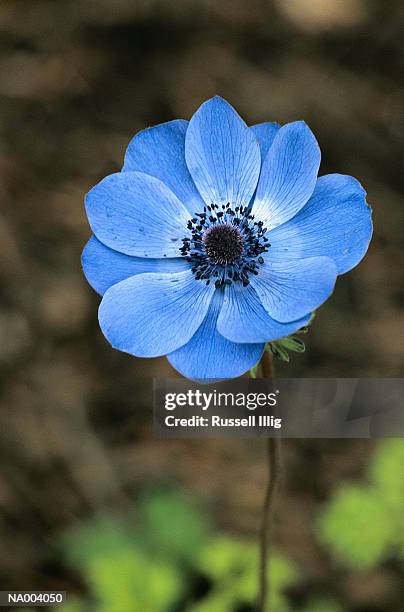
[216, 238]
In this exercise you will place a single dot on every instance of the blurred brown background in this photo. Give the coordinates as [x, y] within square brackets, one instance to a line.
[78, 79]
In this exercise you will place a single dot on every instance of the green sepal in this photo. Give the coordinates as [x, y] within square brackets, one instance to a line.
[277, 350]
[292, 343]
[253, 370]
[280, 348]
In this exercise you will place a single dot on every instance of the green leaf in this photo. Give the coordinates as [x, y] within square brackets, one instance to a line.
[323, 604]
[386, 470]
[172, 526]
[232, 566]
[356, 526]
[102, 536]
[129, 580]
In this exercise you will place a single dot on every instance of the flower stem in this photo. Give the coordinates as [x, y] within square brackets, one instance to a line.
[273, 449]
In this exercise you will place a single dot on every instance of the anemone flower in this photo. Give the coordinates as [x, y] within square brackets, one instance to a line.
[216, 238]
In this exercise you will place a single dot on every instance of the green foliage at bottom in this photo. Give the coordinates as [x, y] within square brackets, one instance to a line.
[157, 559]
[323, 604]
[152, 562]
[364, 525]
[232, 566]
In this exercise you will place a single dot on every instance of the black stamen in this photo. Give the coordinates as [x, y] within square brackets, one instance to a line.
[225, 245]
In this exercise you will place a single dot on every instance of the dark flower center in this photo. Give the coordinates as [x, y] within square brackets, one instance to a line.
[225, 245]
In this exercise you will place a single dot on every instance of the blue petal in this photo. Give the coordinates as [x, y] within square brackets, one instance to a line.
[104, 267]
[137, 214]
[336, 222]
[244, 319]
[150, 315]
[222, 154]
[288, 175]
[210, 356]
[290, 290]
[160, 152]
[265, 134]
